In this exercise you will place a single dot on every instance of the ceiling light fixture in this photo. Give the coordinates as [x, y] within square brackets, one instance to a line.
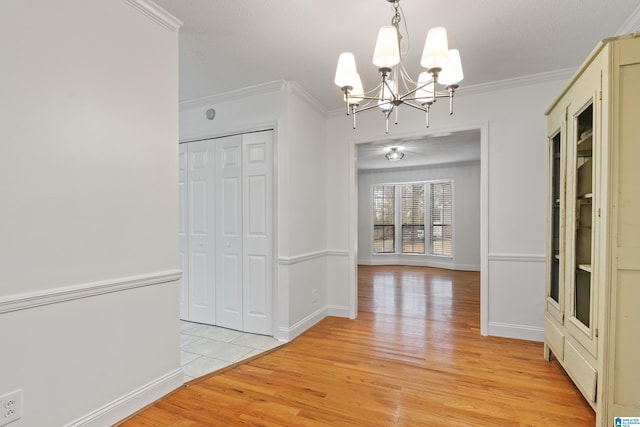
[394, 154]
[444, 72]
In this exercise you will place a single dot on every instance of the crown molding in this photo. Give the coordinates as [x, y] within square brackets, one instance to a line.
[516, 82]
[300, 91]
[156, 14]
[631, 24]
[275, 86]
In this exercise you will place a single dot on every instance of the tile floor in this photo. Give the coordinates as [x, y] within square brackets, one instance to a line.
[206, 348]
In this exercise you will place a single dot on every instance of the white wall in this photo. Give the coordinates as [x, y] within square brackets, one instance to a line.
[301, 197]
[466, 211]
[513, 114]
[88, 183]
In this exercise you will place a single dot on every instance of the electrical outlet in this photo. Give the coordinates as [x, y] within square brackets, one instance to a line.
[314, 296]
[11, 407]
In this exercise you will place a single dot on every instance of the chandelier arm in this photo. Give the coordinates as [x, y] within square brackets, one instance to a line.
[416, 106]
[370, 107]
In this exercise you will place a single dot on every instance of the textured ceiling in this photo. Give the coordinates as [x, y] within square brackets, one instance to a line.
[233, 44]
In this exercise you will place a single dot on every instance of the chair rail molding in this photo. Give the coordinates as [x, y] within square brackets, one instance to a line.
[67, 293]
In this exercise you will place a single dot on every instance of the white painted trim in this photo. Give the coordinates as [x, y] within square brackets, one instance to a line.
[522, 332]
[66, 293]
[517, 257]
[338, 310]
[631, 24]
[484, 229]
[302, 93]
[417, 261]
[275, 86]
[296, 259]
[156, 13]
[131, 402]
[287, 334]
[517, 82]
[337, 253]
[484, 213]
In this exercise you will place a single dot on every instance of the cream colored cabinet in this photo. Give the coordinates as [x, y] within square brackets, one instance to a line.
[592, 317]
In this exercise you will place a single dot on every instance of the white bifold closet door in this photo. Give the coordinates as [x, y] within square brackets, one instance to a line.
[226, 241]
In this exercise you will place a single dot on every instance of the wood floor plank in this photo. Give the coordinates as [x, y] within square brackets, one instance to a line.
[413, 357]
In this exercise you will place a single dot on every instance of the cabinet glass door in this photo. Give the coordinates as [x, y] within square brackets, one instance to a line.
[584, 215]
[554, 253]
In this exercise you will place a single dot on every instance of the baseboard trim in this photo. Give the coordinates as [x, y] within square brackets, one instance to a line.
[67, 293]
[338, 311]
[418, 263]
[298, 328]
[522, 332]
[131, 402]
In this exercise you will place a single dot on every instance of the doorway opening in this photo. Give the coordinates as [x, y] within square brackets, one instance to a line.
[369, 155]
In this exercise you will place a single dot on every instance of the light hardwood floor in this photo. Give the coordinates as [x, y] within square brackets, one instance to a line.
[413, 357]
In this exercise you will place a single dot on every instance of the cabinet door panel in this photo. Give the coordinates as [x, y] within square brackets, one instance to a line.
[583, 164]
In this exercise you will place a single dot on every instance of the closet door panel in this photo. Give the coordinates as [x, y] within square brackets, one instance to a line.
[229, 232]
[183, 224]
[201, 229]
[258, 233]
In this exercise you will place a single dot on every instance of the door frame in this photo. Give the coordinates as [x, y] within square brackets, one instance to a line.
[252, 128]
[483, 128]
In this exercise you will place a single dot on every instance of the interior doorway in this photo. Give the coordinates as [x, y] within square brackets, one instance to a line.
[481, 132]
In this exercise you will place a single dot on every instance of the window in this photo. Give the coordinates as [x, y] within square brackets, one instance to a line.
[441, 219]
[406, 205]
[384, 219]
[413, 218]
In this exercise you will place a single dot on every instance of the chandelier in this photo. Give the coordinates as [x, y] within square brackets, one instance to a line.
[440, 80]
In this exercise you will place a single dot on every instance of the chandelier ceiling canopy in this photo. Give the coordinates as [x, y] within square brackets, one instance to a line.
[441, 78]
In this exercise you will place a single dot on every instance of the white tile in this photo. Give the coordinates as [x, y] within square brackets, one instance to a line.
[202, 366]
[260, 342]
[187, 339]
[217, 349]
[213, 333]
[186, 357]
[184, 325]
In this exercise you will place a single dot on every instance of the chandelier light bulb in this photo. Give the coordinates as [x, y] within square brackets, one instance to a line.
[436, 49]
[387, 52]
[346, 73]
[452, 74]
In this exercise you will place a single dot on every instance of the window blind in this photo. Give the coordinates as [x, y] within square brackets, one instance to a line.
[441, 219]
[413, 218]
[384, 218]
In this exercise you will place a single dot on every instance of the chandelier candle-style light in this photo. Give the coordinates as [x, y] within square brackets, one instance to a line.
[441, 78]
